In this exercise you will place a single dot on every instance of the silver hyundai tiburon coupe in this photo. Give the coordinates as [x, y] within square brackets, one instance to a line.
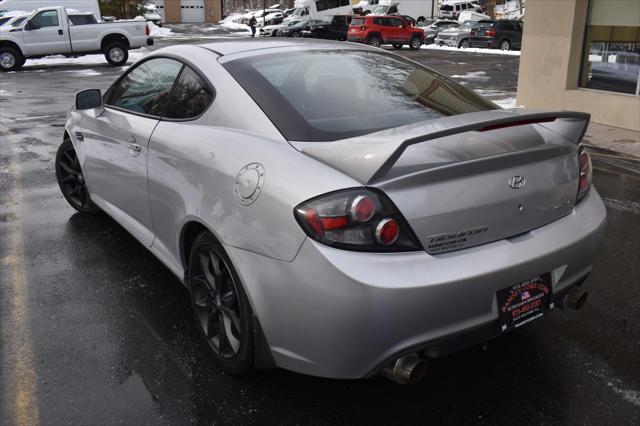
[335, 209]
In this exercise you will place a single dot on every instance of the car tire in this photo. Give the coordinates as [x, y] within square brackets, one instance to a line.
[318, 34]
[71, 179]
[464, 44]
[10, 59]
[415, 43]
[374, 41]
[505, 45]
[420, 20]
[116, 54]
[220, 306]
[397, 46]
[295, 34]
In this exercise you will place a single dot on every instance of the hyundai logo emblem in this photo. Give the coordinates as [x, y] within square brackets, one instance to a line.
[517, 182]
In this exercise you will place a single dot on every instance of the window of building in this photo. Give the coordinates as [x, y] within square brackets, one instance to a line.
[611, 55]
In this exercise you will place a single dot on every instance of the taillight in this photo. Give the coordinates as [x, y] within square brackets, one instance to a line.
[147, 31]
[356, 219]
[490, 32]
[586, 173]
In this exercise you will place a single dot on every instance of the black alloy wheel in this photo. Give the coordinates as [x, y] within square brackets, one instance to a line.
[464, 44]
[222, 312]
[374, 41]
[71, 179]
[415, 42]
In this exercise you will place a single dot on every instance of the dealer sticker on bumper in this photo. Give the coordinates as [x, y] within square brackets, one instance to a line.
[524, 302]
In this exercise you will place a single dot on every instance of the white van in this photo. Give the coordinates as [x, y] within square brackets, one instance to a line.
[420, 10]
[79, 5]
[318, 9]
[451, 9]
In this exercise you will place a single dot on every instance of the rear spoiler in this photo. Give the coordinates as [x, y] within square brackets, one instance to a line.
[369, 158]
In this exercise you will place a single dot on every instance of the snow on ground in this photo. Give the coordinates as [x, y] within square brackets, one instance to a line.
[476, 75]
[473, 50]
[156, 31]
[98, 59]
[506, 102]
[236, 26]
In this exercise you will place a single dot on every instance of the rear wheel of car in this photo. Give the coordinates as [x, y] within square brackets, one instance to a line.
[464, 44]
[116, 54]
[397, 46]
[505, 45]
[71, 179]
[295, 34]
[415, 42]
[319, 34]
[222, 312]
[10, 59]
[374, 41]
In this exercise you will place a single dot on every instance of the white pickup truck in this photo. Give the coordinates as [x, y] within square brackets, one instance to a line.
[49, 31]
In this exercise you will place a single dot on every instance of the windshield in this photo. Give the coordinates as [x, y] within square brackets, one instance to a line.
[380, 10]
[300, 11]
[18, 22]
[325, 95]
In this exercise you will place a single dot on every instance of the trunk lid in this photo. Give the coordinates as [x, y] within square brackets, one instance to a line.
[460, 183]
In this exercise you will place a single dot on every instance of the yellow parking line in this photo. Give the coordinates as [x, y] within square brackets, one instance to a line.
[20, 377]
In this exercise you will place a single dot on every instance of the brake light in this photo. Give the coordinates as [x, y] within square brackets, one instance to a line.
[147, 31]
[490, 32]
[586, 173]
[356, 219]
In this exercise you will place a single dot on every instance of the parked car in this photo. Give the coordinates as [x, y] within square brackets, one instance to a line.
[379, 30]
[330, 27]
[258, 14]
[47, 32]
[432, 30]
[504, 35]
[13, 18]
[309, 223]
[151, 14]
[294, 28]
[451, 9]
[274, 18]
[457, 36]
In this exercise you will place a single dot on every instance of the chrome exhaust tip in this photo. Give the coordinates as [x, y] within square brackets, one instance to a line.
[576, 298]
[406, 370]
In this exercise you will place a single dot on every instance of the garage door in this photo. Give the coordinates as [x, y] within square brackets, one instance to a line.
[192, 10]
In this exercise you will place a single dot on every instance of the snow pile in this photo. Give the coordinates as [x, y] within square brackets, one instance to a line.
[134, 55]
[156, 31]
[233, 18]
[505, 103]
[476, 75]
[139, 18]
[234, 26]
[473, 50]
[13, 13]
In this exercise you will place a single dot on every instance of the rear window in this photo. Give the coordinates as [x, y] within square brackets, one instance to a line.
[82, 19]
[322, 95]
[357, 21]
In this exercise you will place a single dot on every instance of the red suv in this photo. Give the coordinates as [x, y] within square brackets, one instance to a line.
[378, 30]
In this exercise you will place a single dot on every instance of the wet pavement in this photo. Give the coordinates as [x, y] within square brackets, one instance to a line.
[95, 330]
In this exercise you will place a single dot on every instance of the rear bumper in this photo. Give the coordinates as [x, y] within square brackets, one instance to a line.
[342, 314]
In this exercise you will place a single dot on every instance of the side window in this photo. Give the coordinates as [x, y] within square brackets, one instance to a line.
[146, 88]
[321, 5]
[191, 96]
[398, 23]
[46, 18]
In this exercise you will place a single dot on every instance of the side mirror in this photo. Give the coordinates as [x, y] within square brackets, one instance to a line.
[31, 26]
[89, 99]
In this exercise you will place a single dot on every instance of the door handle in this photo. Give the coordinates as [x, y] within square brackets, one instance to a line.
[60, 32]
[134, 149]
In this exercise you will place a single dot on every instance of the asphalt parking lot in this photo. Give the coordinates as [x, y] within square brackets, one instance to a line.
[95, 330]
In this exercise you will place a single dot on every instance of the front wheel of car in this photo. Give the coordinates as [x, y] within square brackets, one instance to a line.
[505, 45]
[71, 179]
[319, 34]
[415, 43]
[10, 59]
[464, 44]
[116, 54]
[374, 41]
[222, 312]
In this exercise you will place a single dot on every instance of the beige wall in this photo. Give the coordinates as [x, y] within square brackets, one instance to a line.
[550, 66]
[212, 10]
[172, 13]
